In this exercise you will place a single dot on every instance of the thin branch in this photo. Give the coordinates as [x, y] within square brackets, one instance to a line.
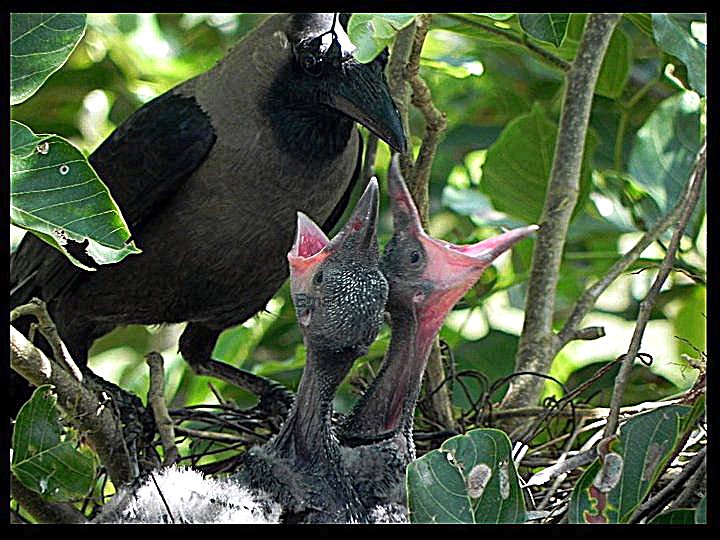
[435, 121]
[156, 399]
[212, 435]
[368, 169]
[44, 511]
[690, 200]
[588, 299]
[38, 309]
[537, 339]
[691, 487]
[83, 408]
[399, 88]
[661, 498]
[562, 467]
[545, 55]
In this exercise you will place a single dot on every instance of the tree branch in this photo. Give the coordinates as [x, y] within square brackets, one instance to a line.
[543, 54]
[691, 196]
[661, 498]
[42, 510]
[156, 399]
[83, 408]
[38, 309]
[588, 299]
[537, 339]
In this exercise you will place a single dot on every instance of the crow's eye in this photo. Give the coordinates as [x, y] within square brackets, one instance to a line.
[311, 64]
[318, 278]
[414, 256]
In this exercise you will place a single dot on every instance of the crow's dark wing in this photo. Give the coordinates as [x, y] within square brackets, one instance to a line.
[342, 205]
[143, 163]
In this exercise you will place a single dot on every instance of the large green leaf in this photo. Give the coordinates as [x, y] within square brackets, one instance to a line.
[517, 167]
[611, 490]
[548, 27]
[680, 516]
[664, 154]
[41, 460]
[615, 68]
[673, 35]
[372, 32]
[701, 511]
[40, 44]
[471, 478]
[55, 193]
[643, 22]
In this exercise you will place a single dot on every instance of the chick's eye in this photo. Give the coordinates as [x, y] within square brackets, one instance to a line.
[414, 257]
[318, 278]
[311, 64]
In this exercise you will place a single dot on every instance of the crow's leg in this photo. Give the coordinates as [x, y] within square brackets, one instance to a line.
[196, 345]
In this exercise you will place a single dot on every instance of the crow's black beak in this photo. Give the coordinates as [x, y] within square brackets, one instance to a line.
[365, 97]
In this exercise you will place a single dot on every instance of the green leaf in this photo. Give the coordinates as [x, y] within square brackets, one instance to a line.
[372, 32]
[41, 460]
[673, 35]
[701, 511]
[40, 44]
[517, 167]
[680, 516]
[615, 68]
[643, 21]
[496, 16]
[548, 27]
[55, 193]
[609, 492]
[493, 356]
[664, 153]
[471, 478]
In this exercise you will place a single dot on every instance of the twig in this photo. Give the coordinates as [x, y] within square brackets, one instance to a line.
[435, 121]
[210, 435]
[399, 89]
[561, 474]
[87, 414]
[38, 309]
[691, 487]
[156, 398]
[587, 300]
[537, 339]
[42, 510]
[660, 499]
[368, 169]
[690, 200]
[547, 56]
[563, 467]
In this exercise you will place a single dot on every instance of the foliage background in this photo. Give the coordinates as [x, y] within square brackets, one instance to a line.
[490, 170]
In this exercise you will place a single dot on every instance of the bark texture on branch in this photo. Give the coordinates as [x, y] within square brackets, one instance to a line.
[95, 419]
[535, 351]
[156, 399]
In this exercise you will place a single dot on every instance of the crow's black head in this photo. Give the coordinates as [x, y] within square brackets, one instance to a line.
[337, 288]
[314, 99]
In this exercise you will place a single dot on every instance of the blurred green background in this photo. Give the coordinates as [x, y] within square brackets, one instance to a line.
[502, 105]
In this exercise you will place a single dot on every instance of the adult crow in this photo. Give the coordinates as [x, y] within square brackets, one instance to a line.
[210, 176]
